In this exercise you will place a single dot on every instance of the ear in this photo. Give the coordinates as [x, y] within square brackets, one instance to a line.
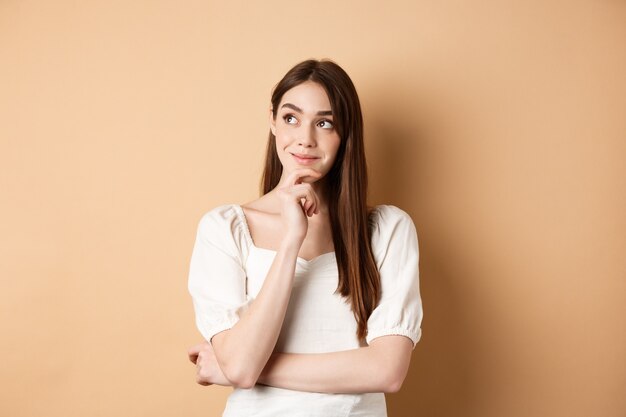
[272, 122]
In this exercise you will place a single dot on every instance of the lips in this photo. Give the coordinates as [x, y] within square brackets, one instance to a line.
[304, 156]
[302, 159]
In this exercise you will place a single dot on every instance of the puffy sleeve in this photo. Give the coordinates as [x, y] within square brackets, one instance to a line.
[396, 251]
[217, 278]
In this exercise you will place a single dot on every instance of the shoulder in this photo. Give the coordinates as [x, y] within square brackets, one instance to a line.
[222, 226]
[219, 216]
[385, 216]
[392, 230]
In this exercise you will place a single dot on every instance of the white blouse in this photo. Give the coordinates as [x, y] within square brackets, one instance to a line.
[227, 271]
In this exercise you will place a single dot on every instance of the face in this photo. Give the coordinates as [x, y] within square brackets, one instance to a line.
[305, 133]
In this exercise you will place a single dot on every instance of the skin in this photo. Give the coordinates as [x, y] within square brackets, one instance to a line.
[243, 356]
[302, 132]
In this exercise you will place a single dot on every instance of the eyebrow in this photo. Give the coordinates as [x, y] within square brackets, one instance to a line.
[299, 110]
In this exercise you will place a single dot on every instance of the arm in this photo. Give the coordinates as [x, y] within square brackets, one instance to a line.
[383, 365]
[379, 367]
[243, 350]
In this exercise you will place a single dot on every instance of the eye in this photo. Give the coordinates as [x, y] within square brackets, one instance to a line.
[288, 117]
[327, 124]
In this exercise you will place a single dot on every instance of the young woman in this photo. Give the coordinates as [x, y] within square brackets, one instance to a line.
[307, 297]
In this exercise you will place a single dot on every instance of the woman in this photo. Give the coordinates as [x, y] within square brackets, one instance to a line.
[308, 298]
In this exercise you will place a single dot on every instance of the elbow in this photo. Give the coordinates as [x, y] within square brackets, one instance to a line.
[393, 381]
[240, 377]
[245, 383]
[393, 357]
[237, 371]
[393, 385]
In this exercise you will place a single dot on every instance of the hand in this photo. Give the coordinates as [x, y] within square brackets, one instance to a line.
[293, 210]
[208, 371]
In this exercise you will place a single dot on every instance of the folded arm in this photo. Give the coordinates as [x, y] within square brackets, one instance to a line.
[243, 350]
[379, 367]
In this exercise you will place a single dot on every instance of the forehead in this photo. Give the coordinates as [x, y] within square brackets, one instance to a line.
[309, 96]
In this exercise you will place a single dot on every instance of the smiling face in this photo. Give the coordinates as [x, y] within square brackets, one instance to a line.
[306, 136]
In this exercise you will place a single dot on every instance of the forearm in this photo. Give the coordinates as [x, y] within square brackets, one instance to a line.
[351, 371]
[243, 350]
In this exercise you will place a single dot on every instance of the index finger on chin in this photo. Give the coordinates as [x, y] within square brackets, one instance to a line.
[298, 174]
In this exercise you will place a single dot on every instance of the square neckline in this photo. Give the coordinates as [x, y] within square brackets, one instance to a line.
[244, 221]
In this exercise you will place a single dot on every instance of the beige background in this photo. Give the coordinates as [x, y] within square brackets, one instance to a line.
[499, 126]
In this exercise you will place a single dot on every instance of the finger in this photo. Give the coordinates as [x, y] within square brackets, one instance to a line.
[202, 381]
[303, 192]
[312, 208]
[312, 204]
[193, 353]
[315, 204]
[307, 205]
[306, 197]
[298, 175]
[194, 349]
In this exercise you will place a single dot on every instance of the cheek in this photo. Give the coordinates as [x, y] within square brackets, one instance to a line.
[332, 151]
[280, 137]
[281, 145]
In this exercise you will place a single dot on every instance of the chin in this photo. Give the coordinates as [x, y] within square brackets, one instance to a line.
[309, 179]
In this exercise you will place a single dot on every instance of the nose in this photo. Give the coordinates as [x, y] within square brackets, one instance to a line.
[307, 136]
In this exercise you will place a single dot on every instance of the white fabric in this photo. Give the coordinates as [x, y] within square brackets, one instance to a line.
[227, 271]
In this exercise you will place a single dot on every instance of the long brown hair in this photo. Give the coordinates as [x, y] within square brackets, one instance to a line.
[359, 279]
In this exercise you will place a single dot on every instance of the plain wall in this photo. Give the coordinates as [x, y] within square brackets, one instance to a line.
[498, 126]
